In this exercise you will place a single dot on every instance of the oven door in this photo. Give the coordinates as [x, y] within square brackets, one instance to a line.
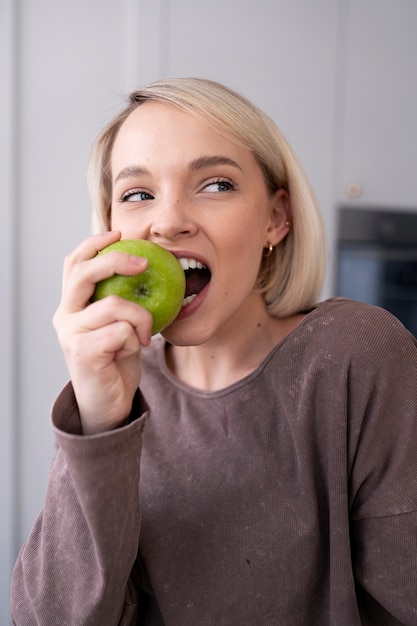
[385, 276]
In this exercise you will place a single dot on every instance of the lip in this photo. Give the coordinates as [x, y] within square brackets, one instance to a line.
[190, 308]
[187, 254]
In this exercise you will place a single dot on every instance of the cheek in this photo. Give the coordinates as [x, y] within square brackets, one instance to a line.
[247, 234]
[243, 247]
[129, 226]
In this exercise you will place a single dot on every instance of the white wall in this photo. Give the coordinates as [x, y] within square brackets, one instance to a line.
[7, 328]
[64, 67]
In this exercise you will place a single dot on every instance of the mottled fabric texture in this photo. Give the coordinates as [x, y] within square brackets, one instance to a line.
[288, 498]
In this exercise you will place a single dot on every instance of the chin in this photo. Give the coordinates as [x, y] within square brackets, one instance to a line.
[183, 334]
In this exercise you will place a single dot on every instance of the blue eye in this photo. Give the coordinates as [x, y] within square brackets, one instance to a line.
[220, 185]
[136, 195]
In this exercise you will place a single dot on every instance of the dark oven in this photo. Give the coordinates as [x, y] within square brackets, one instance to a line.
[377, 260]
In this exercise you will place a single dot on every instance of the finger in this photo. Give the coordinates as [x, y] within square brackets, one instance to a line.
[88, 249]
[119, 341]
[82, 277]
[104, 313]
[93, 352]
[131, 348]
[116, 309]
[91, 246]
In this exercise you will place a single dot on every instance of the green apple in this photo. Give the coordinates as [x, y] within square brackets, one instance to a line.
[160, 289]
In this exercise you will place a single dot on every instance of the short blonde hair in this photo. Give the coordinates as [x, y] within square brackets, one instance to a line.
[291, 278]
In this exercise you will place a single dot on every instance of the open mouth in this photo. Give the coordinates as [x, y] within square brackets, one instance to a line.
[197, 277]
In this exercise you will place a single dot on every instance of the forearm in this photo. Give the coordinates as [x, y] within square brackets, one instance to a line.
[75, 566]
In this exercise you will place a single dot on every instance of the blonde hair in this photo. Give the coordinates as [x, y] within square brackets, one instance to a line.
[291, 278]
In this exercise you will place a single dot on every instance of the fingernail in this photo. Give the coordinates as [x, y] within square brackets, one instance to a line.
[137, 260]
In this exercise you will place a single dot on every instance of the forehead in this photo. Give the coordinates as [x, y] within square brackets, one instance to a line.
[150, 115]
[154, 126]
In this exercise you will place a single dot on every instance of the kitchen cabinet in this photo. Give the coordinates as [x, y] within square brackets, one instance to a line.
[376, 130]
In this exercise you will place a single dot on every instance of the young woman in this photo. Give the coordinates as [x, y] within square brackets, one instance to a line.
[257, 463]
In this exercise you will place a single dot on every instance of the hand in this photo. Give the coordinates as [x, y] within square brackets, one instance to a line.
[101, 341]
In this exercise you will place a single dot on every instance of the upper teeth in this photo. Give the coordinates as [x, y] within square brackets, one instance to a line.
[191, 264]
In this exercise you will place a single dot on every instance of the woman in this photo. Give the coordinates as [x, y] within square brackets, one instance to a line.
[255, 464]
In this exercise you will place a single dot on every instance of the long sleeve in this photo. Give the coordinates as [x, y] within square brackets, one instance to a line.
[288, 497]
[384, 479]
[75, 566]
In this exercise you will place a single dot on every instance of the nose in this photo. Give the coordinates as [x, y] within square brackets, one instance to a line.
[173, 221]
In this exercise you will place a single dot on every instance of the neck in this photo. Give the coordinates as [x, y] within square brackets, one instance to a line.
[225, 359]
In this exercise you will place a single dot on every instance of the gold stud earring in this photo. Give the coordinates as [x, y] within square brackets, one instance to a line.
[268, 250]
[288, 223]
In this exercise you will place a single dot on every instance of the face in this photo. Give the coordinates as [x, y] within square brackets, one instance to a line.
[180, 184]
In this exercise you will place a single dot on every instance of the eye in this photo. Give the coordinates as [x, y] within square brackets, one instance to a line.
[219, 186]
[136, 195]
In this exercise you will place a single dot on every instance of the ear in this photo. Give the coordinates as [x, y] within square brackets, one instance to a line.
[280, 218]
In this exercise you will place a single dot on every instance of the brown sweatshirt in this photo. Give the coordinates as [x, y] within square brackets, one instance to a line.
[288, 498]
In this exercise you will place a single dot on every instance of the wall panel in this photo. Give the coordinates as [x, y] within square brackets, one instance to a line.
[8, 278]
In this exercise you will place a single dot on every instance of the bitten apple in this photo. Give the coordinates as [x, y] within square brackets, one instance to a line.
[160, 288]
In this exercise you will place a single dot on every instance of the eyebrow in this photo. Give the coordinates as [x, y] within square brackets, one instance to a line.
[200, 163]
[208, 161]
[131, 171]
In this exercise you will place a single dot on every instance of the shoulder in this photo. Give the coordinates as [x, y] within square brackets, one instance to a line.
[354, 331]
[349, 323]
[344, 309]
